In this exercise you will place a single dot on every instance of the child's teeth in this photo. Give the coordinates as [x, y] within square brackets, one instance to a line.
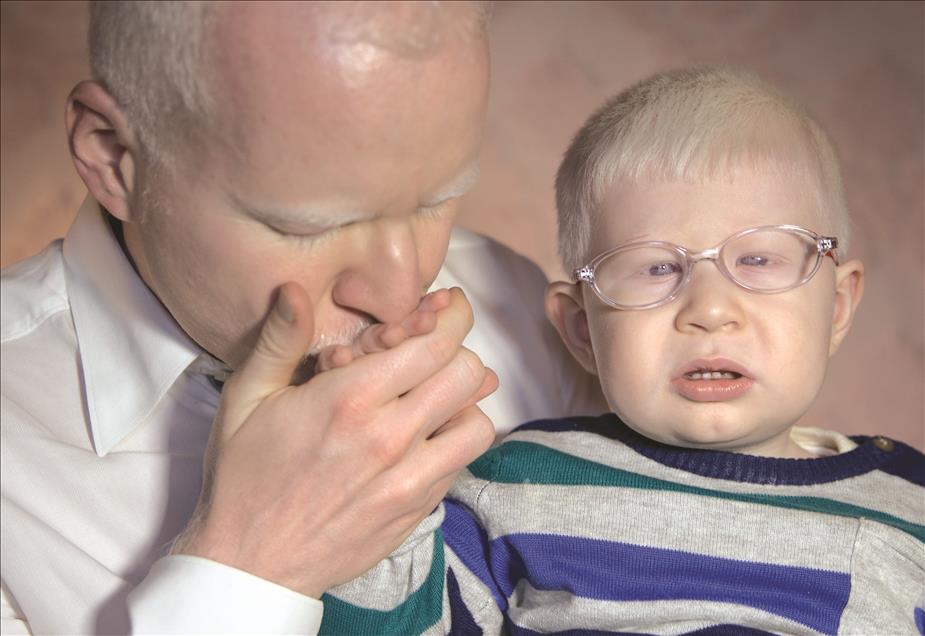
[711, 375]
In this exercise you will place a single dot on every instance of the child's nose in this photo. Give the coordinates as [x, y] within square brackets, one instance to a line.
[711, 302]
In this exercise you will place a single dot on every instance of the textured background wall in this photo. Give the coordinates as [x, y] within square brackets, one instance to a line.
[858, 66]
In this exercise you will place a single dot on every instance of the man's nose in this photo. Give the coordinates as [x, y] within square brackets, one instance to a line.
[384, 279]
[711, 303]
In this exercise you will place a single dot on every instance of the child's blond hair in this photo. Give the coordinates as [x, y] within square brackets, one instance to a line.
[692, 124]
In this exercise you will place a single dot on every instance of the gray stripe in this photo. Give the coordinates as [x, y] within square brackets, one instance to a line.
[895, 496]
[671, 520]
[558, 611]
[391, 581]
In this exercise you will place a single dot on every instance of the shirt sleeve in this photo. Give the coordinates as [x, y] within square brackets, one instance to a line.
[11, 620]
[185, 594]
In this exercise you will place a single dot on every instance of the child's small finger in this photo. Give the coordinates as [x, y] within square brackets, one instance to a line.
[420, 322]
[333, 357]
[392, 335]
[371, 340]
[435, 300]
[341, 357]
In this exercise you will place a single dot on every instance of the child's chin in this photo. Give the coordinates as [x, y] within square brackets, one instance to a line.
[717, 439]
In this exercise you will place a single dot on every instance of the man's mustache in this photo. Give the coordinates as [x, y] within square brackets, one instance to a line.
[344, 336]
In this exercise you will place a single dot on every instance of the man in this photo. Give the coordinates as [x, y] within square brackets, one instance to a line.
[264, 180]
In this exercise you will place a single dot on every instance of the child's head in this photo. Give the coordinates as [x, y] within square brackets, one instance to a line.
[692, 158]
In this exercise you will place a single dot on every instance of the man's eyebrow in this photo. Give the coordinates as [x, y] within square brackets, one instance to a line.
[457, 187]
[316, 216]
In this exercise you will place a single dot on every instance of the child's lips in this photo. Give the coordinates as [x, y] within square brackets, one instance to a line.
[713, 380]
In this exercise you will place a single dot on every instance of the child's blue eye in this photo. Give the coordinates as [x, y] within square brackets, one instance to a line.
[664, 269]
[754, 260]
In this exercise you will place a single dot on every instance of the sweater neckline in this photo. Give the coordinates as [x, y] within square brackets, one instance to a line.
[871, 453]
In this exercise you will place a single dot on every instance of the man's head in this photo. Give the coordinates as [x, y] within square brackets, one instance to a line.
[321, 143]
[692, 158]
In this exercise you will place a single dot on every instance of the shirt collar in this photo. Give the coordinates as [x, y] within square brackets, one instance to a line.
[131, 349]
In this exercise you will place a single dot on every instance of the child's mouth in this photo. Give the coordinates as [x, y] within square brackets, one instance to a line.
[714, 380]
[712, 375]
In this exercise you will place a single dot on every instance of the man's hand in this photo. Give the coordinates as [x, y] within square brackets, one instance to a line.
[309, 486]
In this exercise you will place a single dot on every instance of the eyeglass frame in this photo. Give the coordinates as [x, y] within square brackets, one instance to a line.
[825, 246]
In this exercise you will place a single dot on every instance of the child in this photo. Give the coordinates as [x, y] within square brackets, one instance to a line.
[697, 506]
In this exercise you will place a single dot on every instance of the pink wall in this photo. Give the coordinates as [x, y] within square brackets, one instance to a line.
[858, 66]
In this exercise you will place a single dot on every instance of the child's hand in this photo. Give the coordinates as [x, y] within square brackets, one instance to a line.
[383, 336]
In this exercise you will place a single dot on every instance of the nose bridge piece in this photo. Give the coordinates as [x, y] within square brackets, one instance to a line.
[693, 258]
[710, 303]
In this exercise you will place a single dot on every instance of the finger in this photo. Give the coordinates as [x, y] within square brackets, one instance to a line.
[421, 322]
[461, 440]
[435, 300]
[489, 386]
[286, 335]
[333, 357]
[380, 338]
[404, 367]
[441, 397]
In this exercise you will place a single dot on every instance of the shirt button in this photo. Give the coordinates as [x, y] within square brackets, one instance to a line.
[883, 443]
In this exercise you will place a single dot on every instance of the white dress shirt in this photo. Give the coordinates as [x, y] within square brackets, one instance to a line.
[106, 413]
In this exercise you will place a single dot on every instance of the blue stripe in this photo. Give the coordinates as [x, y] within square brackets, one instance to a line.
[728, 630]
[902, 461]
[470, 543]
[612, 571]
[713, 630]
[462, 621]
[517, 630]
[907, 464]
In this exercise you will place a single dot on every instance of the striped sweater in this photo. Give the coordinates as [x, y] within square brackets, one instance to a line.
[581, 526]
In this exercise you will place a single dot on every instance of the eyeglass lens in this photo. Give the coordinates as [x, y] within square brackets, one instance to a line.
[766, 260]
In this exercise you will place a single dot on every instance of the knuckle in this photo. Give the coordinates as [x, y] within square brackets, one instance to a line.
[350, 408]
[405, 492]
[387, 449]
[441, 347]
[471, 367]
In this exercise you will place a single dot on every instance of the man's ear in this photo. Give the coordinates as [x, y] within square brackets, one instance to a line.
[849, 288]
[565, 310]
[103, 147]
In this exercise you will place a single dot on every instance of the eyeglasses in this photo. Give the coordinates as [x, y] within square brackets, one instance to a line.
[766, 260]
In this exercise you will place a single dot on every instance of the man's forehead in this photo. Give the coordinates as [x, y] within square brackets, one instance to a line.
[411, 29]
[272, 63]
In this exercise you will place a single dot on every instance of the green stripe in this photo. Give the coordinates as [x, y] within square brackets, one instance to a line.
[518, 462]
[423, 607]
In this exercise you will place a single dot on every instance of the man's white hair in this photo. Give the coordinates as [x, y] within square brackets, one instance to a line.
[694, 124]
[147, 56]
[150, 55]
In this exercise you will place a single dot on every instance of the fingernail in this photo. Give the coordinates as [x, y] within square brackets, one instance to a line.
[284, 307]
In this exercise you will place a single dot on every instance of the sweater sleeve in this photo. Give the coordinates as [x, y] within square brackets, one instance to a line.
[437, 582]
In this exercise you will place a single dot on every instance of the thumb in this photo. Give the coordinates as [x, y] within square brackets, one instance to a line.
[281, 346]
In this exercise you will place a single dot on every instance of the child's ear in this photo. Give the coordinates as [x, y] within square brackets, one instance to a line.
[565, 310]
[849, 288]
